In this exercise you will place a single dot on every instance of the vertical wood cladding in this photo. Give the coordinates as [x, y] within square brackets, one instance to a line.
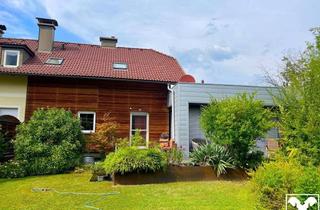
[103, 96]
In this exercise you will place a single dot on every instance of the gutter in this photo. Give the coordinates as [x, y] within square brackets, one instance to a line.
[170, 88]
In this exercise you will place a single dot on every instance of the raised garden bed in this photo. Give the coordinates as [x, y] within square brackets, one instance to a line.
[178, 174]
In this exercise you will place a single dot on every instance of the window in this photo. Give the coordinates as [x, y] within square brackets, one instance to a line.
[88, 121]
[139, 121]
[120, 66]
[54, 61]
[9, 111]
[11, 58]
[274, 132]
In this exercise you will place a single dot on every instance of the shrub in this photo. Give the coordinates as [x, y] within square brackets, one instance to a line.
[309, 182]
[299, 103]
[3, 145]
[105, 137]
[137, 139]
[98, 169]
[236, 123]
[122, 142]
[175, 156]
[133, 159]
[50, 142]
[275, 179]
[13, 169]
[214, 155]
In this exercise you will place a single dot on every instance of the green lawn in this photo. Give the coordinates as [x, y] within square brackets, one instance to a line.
[17, 194]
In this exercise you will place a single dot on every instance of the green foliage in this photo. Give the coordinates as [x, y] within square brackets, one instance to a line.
[12, 169]
[98, 169]
[133, 159]
[175, 156]
[122, 142]
[236, 123]
[137, 139]
[299, 104]
[309, 182]
[104, 139]
[275, 179]
[214, 155]
[3, 145]
[51, 142]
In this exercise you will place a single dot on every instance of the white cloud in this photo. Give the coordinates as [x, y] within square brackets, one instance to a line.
[219, 41]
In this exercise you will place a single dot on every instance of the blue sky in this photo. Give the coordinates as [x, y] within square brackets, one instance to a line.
[226, 41]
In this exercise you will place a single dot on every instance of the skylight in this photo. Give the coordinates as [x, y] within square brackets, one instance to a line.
[54, 61]
[120, 66]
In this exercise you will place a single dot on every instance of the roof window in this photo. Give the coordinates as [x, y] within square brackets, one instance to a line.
[120, 66]
[54, 61]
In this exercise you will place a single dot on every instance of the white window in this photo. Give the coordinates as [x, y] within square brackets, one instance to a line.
[139, 121]
[11, 58]
[9, 111]
[88, 121]
[120, 66]
[54, 61]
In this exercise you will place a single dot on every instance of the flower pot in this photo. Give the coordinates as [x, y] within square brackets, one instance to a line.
[100, 178]
[88, 159]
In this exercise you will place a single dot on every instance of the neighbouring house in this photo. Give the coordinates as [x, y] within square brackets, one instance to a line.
[141, 88]
[186, 100]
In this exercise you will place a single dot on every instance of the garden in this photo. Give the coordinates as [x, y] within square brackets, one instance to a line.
[231, 126]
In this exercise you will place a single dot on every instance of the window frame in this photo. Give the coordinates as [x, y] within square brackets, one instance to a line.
[146, 114]
[115, 68]
[54, 64]
[5, 58]
[94, 121]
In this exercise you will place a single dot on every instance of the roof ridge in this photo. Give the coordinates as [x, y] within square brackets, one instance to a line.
[161, 53]
[88, 44]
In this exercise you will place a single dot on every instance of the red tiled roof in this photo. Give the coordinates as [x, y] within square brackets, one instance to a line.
[84, 60]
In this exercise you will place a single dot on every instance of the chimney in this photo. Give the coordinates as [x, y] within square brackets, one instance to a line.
[46, 34]
[109, 41]
[2, 29]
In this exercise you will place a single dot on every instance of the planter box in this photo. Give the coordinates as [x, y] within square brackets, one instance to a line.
[178, 174]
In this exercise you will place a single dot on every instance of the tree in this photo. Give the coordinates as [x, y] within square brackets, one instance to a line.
[299, 104]
[105, 137]
[50, 142]
[236, 123]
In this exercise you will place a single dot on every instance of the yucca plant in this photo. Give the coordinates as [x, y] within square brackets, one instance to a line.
[213, 155]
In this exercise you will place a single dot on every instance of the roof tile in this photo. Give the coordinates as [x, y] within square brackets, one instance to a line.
[85, 60]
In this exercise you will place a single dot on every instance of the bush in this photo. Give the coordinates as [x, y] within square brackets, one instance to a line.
[236, 123]
[175, 156]
[122, 142]
[214, 155]
[50, 142]
[3, 145]
[105, 138]
[133, 159]
[98, 169]
[309, 182]
[299, 104]
[275, 179]
[137, 139]
[13, 169]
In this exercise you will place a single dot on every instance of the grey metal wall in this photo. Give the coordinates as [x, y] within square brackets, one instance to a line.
[187, 93]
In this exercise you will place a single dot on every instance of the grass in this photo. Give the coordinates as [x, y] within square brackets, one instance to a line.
[17, 194]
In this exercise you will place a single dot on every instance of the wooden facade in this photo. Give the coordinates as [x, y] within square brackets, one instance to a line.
[119, 98]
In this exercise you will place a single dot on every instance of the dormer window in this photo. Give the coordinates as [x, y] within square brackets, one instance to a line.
[54, 61]
[11, 58]
[120, 66]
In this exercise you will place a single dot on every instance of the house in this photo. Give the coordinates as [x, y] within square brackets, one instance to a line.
[90, 80]
[141, 88]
